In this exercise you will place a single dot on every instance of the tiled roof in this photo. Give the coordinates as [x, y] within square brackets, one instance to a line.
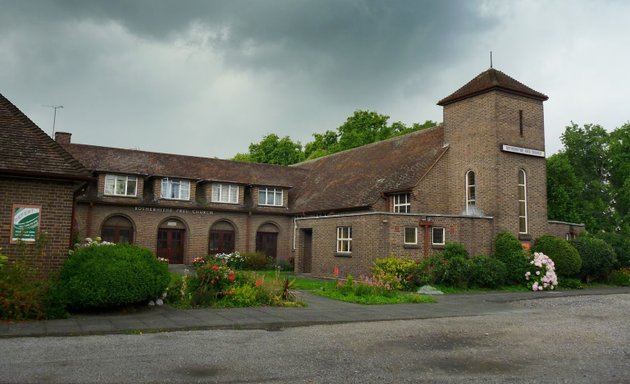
[27, 150]
[490, 80]
[135, 162]
[356, 178]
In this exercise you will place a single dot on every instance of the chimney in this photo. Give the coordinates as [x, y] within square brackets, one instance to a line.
[63, 137]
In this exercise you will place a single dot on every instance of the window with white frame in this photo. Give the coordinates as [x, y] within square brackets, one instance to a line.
[471, 193]
[175, 189]
[402, 203]
[438, 236]
[224, 193]
[119, 185]
[522, 202]
[344, 239]
[411, 235]
[270, 196]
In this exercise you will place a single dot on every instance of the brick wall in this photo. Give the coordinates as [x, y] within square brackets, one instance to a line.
[562, 229]
[475, 129]
[56, 200]
[379, 235]
[196, 221]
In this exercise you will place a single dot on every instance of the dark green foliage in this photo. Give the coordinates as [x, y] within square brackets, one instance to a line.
[487, 272]
[598, 258]
[107, 276]
[457, 272]
[453, 250]
[508, 249]
[620, 277]
[621, 245]
[566, 258]
[256, 261]
[570, 283]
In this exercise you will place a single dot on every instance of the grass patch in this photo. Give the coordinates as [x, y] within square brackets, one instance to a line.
[394, 297]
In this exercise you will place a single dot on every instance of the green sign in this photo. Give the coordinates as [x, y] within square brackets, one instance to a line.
[25, 223]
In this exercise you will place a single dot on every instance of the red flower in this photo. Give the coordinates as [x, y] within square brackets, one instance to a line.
[215, 267]
[258, 283]
[231, 276]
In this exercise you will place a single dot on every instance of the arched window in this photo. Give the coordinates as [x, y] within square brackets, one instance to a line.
[522, 201]
[267, 240]
[471, 194]
[117, 229]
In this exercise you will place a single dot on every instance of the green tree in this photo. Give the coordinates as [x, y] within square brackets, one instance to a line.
[273, 150]
[619, 171]
[322, 145]
[563, 190]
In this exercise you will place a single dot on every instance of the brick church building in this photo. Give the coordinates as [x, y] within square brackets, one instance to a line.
[480, 172]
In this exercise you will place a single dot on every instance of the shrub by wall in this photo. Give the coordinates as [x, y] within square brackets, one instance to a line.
[508, 249]
[621, 246]
[397, 271]
[106, 276]
[487, 272]
[598, 258]
[566, 258]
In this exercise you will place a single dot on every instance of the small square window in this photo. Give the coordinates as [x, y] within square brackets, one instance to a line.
[411, 235]
[438, 236]
[402, 203]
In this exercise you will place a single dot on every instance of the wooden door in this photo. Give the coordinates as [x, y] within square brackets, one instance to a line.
[170, 245]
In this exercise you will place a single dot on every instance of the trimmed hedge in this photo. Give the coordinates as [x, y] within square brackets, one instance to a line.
[509, 250]
[566, 258]
[598, 258]
[107, 276]
[487, 272]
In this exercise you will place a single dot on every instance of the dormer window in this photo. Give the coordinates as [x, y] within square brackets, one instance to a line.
[270, 196]
[118, 185]
[224, 193]
[175, 189]
[402, 203]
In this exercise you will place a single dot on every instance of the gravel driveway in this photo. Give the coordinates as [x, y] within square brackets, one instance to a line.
[580, 339]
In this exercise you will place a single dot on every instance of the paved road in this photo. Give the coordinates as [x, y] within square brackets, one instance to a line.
[579, 339]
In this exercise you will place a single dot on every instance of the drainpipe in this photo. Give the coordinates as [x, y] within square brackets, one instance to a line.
[248, 225]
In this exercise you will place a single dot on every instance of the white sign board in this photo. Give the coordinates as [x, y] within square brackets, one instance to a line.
[523, 151]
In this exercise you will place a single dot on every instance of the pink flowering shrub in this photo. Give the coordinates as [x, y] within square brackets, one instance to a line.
[541, 274]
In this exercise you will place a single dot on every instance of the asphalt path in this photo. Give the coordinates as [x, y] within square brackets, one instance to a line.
[578, 339]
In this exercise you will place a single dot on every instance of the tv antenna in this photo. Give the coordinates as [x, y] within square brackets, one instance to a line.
[490, 59]
[55, 108]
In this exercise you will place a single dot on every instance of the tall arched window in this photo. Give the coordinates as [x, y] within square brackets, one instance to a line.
[471, 194]
[522, 201]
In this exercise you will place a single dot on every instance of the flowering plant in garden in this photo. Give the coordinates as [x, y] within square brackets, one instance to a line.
[232, 260]
[163, 259]
[199, 261]
[542, 275]
[218, 278]
[89, 242]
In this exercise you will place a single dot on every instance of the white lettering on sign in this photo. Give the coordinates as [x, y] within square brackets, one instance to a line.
[173, 210]
[523, 151]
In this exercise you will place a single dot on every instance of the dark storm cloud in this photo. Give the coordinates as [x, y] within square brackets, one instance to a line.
[355, 47]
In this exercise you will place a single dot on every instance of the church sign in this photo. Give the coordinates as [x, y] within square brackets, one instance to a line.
[523, 151]
[25, 222]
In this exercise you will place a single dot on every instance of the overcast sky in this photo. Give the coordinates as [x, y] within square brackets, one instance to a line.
[207, 78]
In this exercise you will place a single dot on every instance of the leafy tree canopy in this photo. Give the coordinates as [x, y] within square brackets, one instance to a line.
[363, 127]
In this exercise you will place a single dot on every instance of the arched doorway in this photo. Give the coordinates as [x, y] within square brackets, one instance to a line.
[170, 241]
[267, 240]
[117, 229]
[221, 239]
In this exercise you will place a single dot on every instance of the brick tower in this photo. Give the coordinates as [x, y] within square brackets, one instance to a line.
[494, 126]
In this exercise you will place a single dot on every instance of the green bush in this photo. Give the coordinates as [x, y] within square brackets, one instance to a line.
[509, 250]
[430, 270]
[255, 261]
[566, 258]
[397, 271]
[487, 272]
[620, 277]
[570, 283]
[453, 250]
[107, 276]
[598, 258]
[620, 244]
[457, 272]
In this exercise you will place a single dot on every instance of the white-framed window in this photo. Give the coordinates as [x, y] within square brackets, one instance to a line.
[471, 193]
[522, 201]
[344, 239]
[411, 235]
[438, 236]
[402, 203]
[119, 185]
[175, 189]
[270, 196]
[224, 193]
